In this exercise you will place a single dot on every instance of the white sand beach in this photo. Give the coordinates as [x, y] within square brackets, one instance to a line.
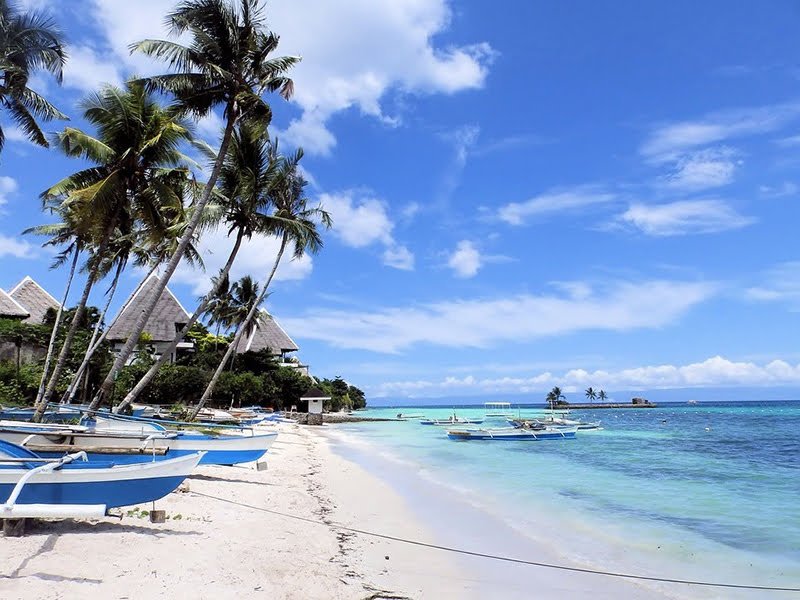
[210, 548]
[213, 549]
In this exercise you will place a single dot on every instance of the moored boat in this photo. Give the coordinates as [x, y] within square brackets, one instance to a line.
[514, 433]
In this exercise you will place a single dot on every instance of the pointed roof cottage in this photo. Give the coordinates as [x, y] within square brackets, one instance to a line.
[268, 334]
[35, 299]
[167, 318]
[10, 308]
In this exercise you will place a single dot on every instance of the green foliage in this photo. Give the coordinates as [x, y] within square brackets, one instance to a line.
[173, 383]
[257, 362]
[207, 341]
[13, 330]
[11, 394]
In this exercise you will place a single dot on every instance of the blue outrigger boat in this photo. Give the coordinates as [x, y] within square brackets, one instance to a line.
[34, 486]
[142, 442]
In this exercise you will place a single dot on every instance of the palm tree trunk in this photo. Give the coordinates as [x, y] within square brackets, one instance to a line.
[52, 344]
[201, 308]
[234, 344]
[147, 310]
[94, 343]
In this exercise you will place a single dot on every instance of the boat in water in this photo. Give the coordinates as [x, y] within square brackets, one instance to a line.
[34, 486]
[497, 409]
[557, 421]
[514, 433]
[451, 420]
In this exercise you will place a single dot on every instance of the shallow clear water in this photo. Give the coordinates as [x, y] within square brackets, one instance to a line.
[708, 491]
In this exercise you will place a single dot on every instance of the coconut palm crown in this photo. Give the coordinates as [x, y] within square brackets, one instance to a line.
[29, 42]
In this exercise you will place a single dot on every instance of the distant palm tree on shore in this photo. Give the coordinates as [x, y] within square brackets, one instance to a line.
[602, 396]
[591, 395]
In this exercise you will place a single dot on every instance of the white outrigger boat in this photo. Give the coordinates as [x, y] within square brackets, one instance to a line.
[514, 433]
[451, 420]
[558, 422]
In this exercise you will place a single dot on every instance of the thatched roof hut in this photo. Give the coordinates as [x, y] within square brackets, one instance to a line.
[267, 334]
[35, 299]
[10, 308]
[166, 320]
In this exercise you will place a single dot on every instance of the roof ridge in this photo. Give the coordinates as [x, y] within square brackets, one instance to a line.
[36, 283]
[10, 297]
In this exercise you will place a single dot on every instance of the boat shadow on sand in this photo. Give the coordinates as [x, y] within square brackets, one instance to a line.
[66, 527]
[194, 477]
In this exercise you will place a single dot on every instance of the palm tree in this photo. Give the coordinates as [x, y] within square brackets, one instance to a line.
[602, 395]
[226, 64]
[28, 42]
[219, 304]
[591, 394]
[69, 232]
[136, 180]
[248, 176]
[554, 396]
[244, 295]
[294, 222]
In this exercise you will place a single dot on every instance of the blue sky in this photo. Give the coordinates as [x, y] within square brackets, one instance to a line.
[524, 196]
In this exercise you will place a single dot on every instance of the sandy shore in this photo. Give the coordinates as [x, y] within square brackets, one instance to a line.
[209, 548]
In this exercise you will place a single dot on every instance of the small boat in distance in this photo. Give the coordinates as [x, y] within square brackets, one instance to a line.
[514, 433]
[451, 420]
[497, 409]
[558, 422]
[406, 416]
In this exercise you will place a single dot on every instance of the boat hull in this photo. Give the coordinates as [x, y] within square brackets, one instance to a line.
[99, 484]
[514, 434]
[131, 447]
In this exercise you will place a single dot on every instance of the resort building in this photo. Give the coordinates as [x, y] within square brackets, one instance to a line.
[10, 308]
[166, 320]
[267, 334]
[35, 299]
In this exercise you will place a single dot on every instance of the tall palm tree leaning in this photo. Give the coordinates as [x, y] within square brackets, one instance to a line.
[226, 64]
[295, 223]
[28, 42]
[249, 173]
[136, 177]
[591, 394]
[72, 233]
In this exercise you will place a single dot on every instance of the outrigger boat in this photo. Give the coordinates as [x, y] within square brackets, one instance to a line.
[32, 486]
[451, 420]
[130, 441]
[556, 421]
[514, 433]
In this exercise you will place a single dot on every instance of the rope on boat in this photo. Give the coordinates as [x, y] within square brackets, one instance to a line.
[504, 558]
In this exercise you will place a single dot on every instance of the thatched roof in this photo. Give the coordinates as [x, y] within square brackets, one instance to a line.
[11, 308]
[34, 298]
[315, 393]
[267, 334]
[167, 317]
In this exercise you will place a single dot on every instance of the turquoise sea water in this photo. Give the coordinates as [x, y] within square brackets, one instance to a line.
[708, 491]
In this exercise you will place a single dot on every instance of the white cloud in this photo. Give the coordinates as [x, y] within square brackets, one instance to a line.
[704, 169]
[552, 202]
[87, 71]
[481, 323]
[399, 257]
[787, 188]
[10, 246]
[465, 260]
[255, 258]
[713, 372]
[355, 52]
[667, 141]
[684, 217]
[8, 186]
[781, 284]
[360, 220]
